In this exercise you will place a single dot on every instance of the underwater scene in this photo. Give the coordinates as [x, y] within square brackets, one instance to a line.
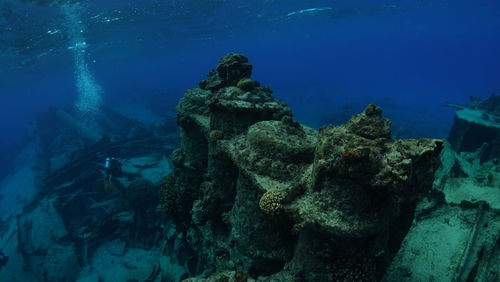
[262, 140]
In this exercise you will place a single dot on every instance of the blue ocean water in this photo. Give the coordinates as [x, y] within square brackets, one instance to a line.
[410, 57]
[326, 59]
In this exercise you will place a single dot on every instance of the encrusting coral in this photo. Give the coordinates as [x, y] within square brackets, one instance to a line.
[272, 202]
[271, 193]
[246, 84]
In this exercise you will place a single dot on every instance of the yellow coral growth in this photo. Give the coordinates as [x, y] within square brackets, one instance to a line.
[216, 135]
[272, 202]
[246, 84]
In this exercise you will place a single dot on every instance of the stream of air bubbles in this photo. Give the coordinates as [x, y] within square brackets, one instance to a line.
[89, 99]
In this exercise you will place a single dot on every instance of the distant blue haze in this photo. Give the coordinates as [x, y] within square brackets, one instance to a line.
[410, 57]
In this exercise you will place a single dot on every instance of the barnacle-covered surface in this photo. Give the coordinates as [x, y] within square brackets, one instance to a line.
[272, 198]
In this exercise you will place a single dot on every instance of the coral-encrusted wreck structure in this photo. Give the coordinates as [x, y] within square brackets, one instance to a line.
[259, 196]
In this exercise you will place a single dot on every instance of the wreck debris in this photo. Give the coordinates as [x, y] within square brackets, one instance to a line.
[477, 123]
[461, 212]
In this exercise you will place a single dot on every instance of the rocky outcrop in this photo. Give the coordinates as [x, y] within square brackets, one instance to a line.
[260, 196]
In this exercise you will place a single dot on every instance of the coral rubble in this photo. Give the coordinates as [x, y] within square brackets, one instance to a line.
[259, 195]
